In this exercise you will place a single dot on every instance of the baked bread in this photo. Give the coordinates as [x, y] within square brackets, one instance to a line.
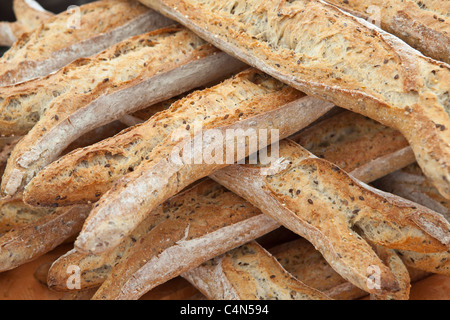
[182, 225]
[249, 273]
[32, 240]
[300, 194]
[37, 54]
[424, 25]
[322, 51]
[149, 66]
[249, 100]
[29, 15]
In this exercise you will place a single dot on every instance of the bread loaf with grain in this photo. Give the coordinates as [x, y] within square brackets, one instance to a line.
[357, 144]
[25, 243]
[424, 25]
[79, 33]
[250, 101]
[305, 188]
[95, 268]
[249, 273]
[131, 75]
[201, 219]
[29, 15]
[322, 51]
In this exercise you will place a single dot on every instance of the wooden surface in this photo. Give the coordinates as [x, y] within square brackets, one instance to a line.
[22, 284]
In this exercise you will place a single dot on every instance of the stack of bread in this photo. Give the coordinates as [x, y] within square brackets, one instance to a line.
[98, 104]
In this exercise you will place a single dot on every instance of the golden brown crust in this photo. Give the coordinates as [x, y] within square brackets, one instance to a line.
[249, 273]
[32, 240]
[70, 104]
[424, 25]
[337, 57]
[36, 54]
[307, 187]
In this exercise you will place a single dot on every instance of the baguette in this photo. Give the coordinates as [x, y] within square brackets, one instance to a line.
[251, 100]
[410, 183]
[324, 52]
[148, 66]
[37, 54]
[14, 213]
[431, 262]
[234, 222]
[30, 241]
[303, 261]
[29, 15]
[424, 25]
[249, 273]
[357, 144]
[299, 198]
[95, 268]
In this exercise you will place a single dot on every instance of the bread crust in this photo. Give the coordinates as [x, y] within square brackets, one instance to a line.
[249, 273]
[338, 57]
[29, 15]
[424, 25]
[150, 66]
[272, 194]
[36, 54]
[32, 240]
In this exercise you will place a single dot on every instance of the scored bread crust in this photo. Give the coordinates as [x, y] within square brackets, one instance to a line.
[249, 273]
[29, 15]
[32, 240]
[322, 51]
[134, 74]
[205, 208]
[95, 268]
[301, 205]
[37, 53]
[424, 25]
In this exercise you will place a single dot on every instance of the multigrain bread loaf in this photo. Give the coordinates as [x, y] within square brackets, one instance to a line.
[250, 101]
[91, 92]
[25, 243]
[411, 183]
[322, 51]
[95, 268]
[424, 25]
[29, 15]
[63, 38]
[305, 188]
[199, 223]
[14, 213]
[249, 273]
[356, 143]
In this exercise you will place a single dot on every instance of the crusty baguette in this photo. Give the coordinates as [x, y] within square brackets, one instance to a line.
[199, 232]
[95, 268]
[249, 273]
[398, 268]
[322, 51]
[29, 15]
[30, 241]
[302, 260]
[55, 43]
[431, 262]
[410, 183]
[14, 213]
[357, 144]
[250, 101]
[133, 74]
[306, 188]
[200, 200]
[424, 25]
